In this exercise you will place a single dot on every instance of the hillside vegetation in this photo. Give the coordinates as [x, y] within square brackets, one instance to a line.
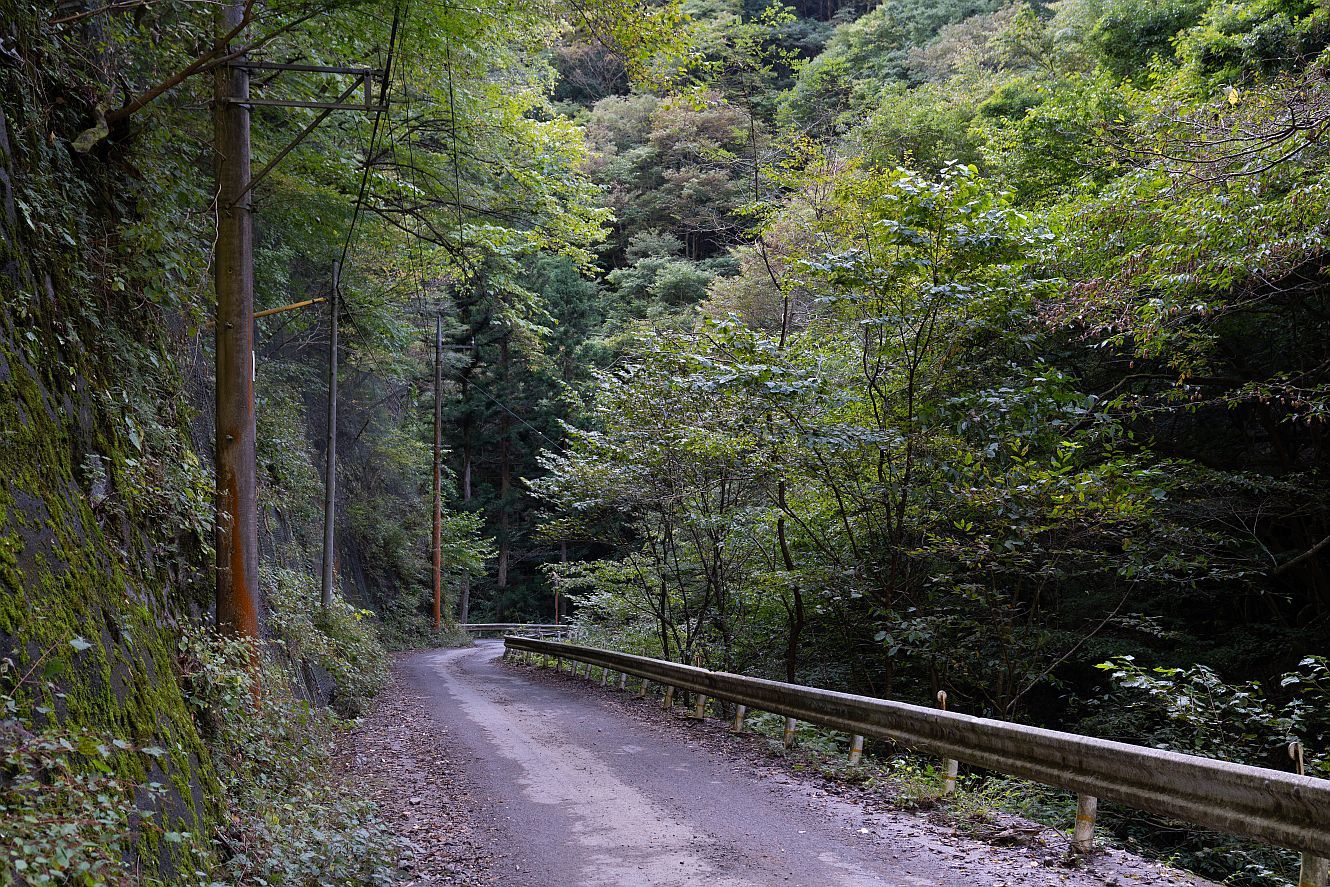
[900, 347]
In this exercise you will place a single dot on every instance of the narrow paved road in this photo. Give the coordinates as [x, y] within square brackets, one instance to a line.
[592, 796]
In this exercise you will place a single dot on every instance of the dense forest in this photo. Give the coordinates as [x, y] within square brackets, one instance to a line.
[929, 345]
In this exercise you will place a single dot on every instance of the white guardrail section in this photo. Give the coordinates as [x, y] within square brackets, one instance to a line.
[482, 627]
[1282, 809]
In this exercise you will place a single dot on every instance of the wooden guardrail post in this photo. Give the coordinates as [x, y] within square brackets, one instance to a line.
[856, 750]
[668, 702]
[1315, 871]
[950, 767]
[791, 725]
[740, 712]
[1082, 836]
[642, 690]
[604, 676]
[623, 680]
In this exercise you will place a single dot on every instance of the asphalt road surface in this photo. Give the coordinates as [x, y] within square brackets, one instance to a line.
[592, 796]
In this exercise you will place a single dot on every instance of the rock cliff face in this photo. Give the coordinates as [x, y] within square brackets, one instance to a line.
[97, 571]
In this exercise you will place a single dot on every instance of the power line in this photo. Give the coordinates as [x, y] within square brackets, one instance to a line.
[374, 134]
[501, 405]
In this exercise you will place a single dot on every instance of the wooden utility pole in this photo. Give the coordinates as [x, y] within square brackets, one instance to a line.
[233, 267]
[330, 468]
[438, 472]
[563, 559]
[465, 603]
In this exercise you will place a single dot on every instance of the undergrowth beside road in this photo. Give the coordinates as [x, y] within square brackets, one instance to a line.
[70, 814]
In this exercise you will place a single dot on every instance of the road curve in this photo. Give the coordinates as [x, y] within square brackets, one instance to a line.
[592, 797]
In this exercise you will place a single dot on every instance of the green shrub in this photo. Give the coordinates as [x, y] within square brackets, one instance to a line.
[290, 820]
[340, 638]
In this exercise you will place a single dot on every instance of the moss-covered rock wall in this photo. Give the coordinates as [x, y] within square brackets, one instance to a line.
[97, 562]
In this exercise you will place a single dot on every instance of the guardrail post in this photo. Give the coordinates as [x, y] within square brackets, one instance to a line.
[856, 750]
[604, 675]
[700, 707]
[949, 767]
[1082, 837]
[790, 726]
[642, 690]
[623, 680]
[740, 712]
[950, 770]
[668, 702]
[1315, 871]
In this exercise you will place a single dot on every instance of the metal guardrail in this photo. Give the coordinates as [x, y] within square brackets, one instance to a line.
[481, 627]
[1283, 809]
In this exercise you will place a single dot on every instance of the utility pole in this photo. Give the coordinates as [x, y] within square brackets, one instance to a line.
[438, 472]
[563, 559]
[233, 266]
[330, 469]
[466, 488]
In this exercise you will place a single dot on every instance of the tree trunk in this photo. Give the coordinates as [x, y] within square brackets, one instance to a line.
[797, 615]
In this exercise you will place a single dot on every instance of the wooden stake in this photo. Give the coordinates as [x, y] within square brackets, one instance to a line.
[950, 768]
[1082, 840]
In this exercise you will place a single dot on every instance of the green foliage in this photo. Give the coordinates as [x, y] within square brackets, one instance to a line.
[339, 638]
[70, 814]
[290, 821]
[1129, 35]
[1196, 711]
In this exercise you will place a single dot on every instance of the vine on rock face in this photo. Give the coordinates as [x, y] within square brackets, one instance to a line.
[67, 814]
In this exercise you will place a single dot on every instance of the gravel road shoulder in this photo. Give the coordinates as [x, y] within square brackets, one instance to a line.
[418, 777]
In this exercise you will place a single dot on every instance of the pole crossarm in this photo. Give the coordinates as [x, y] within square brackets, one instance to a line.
[364, 79]
[313, 69]
[330, 106]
